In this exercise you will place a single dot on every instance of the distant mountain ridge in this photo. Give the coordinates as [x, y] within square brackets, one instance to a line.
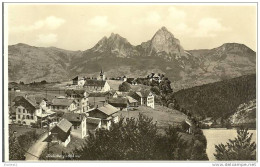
[117, 57]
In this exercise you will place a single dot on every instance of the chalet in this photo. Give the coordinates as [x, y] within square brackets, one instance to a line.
[93, 124]
[81, 97]
[63, 104]
[96, 85]
[78, 121]
[107, 114]
[121, 103]
[145, 98]
[60, 133]
[28, 112]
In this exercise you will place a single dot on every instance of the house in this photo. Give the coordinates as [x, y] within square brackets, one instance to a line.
[78, 121]
[98, 99]
[132, 102]
[81, 97]
[93, 124]
[145, 98]
[28, 112]
[60, 133]
[96, 85]
[63, 104]
[107, 114]
[121, 103]
[75, 80]
[190, 126]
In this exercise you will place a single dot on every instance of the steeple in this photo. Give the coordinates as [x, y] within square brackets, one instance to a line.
[102, 75]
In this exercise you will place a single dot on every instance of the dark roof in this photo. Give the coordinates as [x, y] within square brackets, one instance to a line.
[94, 82]
[92, 120]
[118, 102]
[74, 117]
[64, 125]
[62, 102]
[28, 104]
[79, 92]
[97, 94]
[76, 78]
[107, 109]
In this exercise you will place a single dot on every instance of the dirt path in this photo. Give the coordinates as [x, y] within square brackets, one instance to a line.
[36, 149]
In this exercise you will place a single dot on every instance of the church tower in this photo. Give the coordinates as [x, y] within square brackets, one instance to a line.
[102, 75]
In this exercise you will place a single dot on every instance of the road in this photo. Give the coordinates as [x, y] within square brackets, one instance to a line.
[36, 149]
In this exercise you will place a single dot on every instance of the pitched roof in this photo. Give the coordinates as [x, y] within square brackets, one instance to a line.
[62, 102]
[107, 109]
[92, 120]
[74, 117]
[94, 82]
[64, 125]
[28, 104]
[118, 102]
[97, 94]
[131, 100]
[76, 78]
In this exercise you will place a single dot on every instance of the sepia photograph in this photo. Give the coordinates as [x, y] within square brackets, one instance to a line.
[167, 82]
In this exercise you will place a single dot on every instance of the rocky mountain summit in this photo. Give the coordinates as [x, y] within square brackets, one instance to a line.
[163, 53]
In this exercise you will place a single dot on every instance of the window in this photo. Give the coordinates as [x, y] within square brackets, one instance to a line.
[27, 117]
[24, 111]
[19, 116]
[19, 110]
[32, 117]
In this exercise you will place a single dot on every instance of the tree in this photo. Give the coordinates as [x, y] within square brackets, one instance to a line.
[15, 150]
[155, 90]
[241, 148]
[124, 87]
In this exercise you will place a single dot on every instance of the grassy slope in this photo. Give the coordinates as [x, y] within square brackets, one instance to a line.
[220, 98]
[163, 115]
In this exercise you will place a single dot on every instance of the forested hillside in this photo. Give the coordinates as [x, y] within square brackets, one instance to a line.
[219, 99]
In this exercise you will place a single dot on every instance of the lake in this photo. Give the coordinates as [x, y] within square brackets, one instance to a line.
[217, 136]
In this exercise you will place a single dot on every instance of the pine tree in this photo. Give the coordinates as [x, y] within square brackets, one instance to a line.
[241, 148]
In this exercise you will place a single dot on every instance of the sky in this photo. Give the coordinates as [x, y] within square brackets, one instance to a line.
[81, 26]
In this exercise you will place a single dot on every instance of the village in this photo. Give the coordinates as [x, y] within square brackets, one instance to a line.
[89, 104]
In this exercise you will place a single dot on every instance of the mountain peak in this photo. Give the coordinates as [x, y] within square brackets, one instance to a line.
[164, 28]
